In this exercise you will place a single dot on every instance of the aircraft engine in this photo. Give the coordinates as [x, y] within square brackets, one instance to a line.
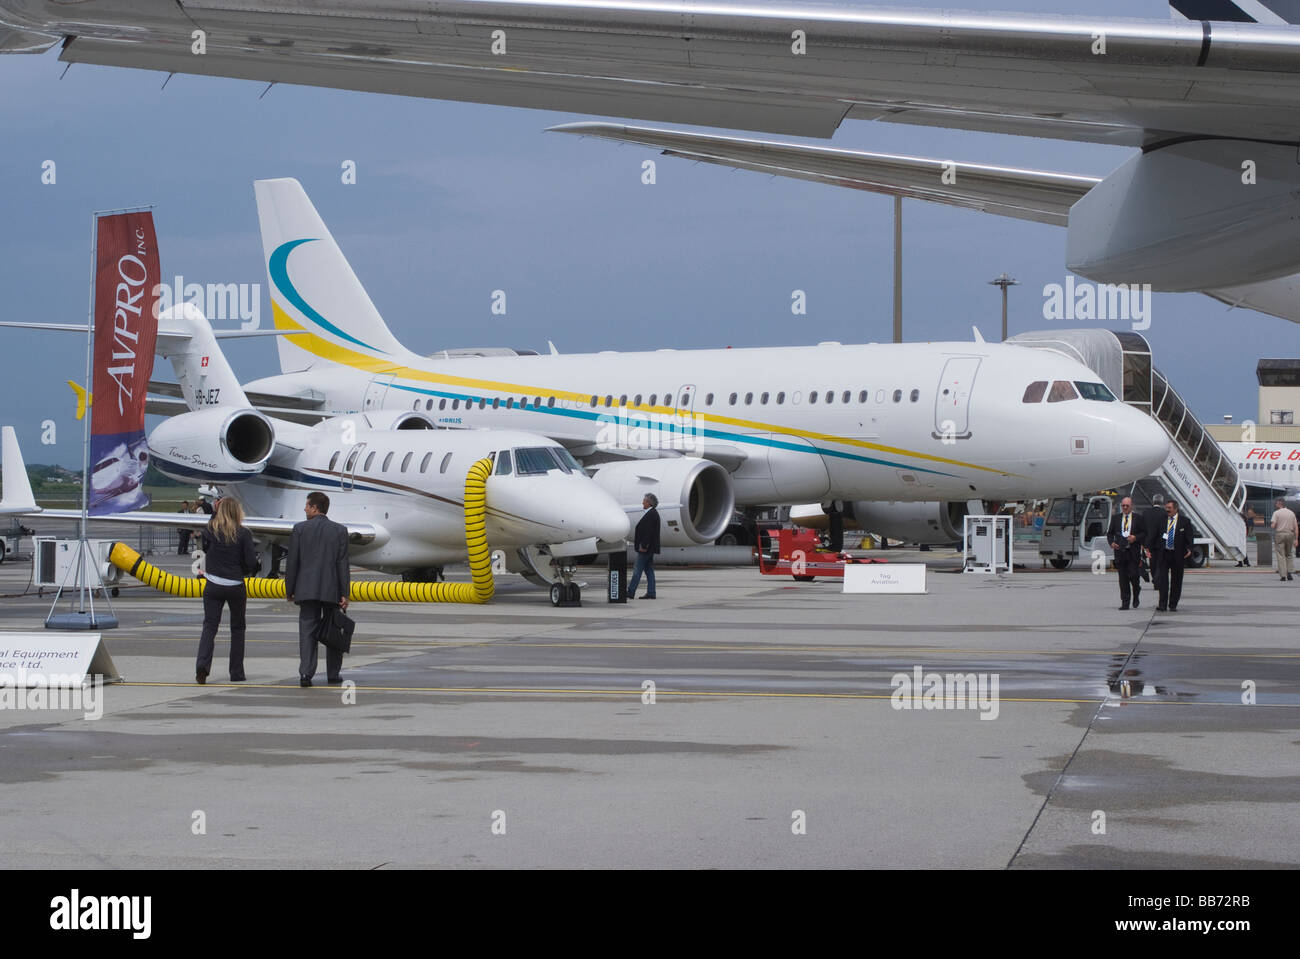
[696, 498]
[216, 445]
[397, 420]
[930, 524]
[1194, 215]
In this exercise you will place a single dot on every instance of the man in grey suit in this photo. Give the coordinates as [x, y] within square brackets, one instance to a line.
[316, 577]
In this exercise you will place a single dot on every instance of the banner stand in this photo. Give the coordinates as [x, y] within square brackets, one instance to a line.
[84, 561]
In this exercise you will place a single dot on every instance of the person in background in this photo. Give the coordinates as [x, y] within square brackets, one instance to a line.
[1284, 530]
[228, 556]
[204, 506]
[185, 532]
[646, 544]
[317, 578]
[1251, 519]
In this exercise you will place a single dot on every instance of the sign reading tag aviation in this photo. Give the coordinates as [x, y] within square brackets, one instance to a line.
[126, 273]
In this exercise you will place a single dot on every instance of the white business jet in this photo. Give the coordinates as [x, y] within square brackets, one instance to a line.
[394, 480]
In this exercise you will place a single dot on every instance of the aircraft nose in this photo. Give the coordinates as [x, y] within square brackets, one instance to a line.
[576, 507]
[1141, 444]
[605, 519]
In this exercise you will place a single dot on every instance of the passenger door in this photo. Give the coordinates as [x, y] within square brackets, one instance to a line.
[350, 466]
[952, 403]
[375, 393]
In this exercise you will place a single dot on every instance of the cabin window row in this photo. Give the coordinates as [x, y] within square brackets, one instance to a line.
[827, 397]
[530, 461]
[387, 462]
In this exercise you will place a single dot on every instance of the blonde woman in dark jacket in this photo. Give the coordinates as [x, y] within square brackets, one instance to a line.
[228, 556]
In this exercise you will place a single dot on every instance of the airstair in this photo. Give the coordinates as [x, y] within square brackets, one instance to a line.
[1197, 472]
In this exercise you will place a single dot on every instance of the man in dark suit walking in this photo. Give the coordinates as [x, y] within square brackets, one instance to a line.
[646, 544]
[1169, 546]
[317, 578]
[1127, 537]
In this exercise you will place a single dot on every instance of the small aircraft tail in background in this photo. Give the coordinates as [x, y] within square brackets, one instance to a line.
[18, 496]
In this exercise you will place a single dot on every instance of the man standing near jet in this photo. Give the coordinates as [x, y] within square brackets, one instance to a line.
[316, 577]
[1284, 530]
[646, 544]
[1127, 536]
[1169, 547]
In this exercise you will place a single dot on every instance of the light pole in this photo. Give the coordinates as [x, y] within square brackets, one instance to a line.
[1004, 281]
[898, 269]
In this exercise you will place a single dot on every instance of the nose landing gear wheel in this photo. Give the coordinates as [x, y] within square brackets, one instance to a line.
[566, 594]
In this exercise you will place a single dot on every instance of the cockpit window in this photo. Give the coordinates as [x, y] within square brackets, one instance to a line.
[1034, 392]
[566, 459]
[1095, 391]
[534, 461]
[1062, 391]
[503, 463]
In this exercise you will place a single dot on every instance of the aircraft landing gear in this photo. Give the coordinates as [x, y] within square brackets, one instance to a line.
[565, 592]
[425, 574]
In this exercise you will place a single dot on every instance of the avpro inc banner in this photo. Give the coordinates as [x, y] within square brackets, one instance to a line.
[126, 329]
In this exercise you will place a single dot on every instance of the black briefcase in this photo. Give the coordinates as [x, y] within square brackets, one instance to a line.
[336, 629]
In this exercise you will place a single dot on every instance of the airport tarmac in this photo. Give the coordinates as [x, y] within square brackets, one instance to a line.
[772, 700]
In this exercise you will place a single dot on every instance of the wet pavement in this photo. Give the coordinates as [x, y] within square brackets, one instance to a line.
[517, 735]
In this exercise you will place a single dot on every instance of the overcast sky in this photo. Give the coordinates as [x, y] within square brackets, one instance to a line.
[453, 201]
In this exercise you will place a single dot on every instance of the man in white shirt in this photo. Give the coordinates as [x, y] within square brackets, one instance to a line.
[1284, 531]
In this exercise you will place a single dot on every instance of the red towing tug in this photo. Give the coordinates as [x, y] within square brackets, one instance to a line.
[802, 554]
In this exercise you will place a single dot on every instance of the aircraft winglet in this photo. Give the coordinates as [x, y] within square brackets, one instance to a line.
[18, 496]
[84, 399]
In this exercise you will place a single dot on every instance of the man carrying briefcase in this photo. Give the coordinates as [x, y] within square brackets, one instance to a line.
[317, 578]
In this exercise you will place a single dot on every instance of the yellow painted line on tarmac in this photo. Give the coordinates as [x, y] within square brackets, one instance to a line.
[752, 694]
[931, 650]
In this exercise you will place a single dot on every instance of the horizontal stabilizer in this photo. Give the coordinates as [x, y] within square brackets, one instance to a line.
[259, 399]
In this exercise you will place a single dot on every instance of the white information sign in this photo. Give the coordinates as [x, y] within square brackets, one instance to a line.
[54, 659]
[884, 578]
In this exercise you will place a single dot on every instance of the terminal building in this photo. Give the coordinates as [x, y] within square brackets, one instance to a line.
[1279, 402]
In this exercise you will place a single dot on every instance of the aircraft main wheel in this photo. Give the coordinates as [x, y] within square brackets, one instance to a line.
[557, 594]
[1061, 563]
[575, 594]
[804, 579]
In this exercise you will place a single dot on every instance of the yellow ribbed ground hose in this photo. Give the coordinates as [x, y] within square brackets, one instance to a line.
[478, 590]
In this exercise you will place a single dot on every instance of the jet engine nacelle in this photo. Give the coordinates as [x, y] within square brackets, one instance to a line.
[930, 524]
[1192, 216]
[218, 445]
[395, 420]
[696, 498]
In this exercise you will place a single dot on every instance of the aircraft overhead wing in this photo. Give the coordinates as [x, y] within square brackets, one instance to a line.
[776, 68]
[1037, 195]
[1041, 196]
[359, 534]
